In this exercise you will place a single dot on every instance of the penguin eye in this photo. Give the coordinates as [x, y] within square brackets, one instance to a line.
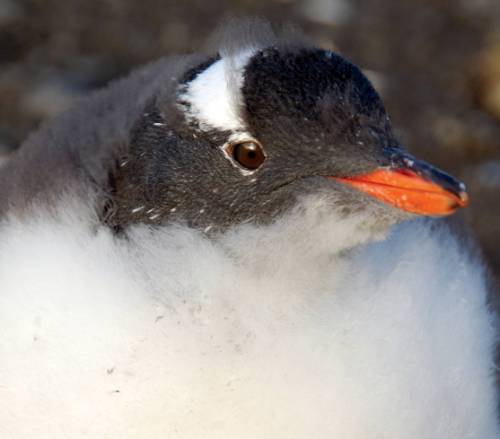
[248, 154]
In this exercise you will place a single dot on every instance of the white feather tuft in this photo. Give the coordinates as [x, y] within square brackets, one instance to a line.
[213, 96]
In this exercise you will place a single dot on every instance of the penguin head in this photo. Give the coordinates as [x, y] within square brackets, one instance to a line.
[246, 134]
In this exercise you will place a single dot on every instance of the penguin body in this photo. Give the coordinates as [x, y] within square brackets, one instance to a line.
[175, 268]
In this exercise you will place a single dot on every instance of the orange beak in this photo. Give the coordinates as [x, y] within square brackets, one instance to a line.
[412, 186]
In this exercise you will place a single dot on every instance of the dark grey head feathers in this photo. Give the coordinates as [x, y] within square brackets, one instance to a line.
[212, 139]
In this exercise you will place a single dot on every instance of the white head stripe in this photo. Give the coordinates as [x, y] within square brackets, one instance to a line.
[214, 95]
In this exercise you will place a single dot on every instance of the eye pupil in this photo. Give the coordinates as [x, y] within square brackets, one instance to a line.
[250, 155]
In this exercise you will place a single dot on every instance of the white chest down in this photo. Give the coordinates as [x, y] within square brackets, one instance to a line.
[170, 335]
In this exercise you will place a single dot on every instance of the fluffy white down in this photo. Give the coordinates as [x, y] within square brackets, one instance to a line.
[264, 333]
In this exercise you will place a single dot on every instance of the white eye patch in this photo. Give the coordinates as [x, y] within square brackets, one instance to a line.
[213, 96]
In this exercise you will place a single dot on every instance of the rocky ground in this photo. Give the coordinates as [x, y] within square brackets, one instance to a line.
[435, 62]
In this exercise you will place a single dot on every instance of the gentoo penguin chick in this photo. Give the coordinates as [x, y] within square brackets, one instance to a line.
[224, 245]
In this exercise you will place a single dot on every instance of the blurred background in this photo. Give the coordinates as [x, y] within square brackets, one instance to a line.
[436, 63]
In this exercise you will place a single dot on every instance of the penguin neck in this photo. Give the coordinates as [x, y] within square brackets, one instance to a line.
[312, 231]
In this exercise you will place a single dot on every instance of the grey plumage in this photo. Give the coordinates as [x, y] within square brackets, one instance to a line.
[79, 146]
[130, 144]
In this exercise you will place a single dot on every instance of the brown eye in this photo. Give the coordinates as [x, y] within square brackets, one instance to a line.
[250, 155]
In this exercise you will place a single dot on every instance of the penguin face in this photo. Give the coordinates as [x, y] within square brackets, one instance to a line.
[252, 134]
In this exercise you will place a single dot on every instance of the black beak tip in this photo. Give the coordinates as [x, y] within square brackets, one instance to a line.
[401, 159]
